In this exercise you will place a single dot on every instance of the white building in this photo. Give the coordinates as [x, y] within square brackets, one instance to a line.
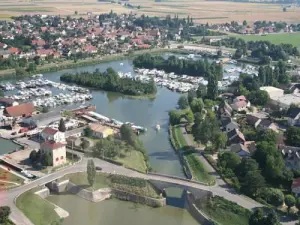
[273, 91]
[50, 134]
[57, 151]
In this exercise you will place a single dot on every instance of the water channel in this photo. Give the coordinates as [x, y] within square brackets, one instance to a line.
[142, 112]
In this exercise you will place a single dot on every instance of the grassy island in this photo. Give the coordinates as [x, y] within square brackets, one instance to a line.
[110, 81]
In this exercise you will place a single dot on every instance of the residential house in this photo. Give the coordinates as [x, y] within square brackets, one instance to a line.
[254, 119]
[4, 54]
[73, 141]
[57, 151]
[291, 156]
[266, 124]
[225, 110]
[240, 103]
[235, 137]
[22, 110]
[13, 50]
[244, 150]
[90, 49]
[50, 134]
[38, 42]
[43, 53]
[294, 117]
[229, 125]
[100, 131]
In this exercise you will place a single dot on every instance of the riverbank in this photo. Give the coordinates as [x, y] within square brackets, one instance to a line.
[69, 64]
[190, 161]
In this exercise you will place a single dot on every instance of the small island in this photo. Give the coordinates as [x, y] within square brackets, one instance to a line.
[111, 81]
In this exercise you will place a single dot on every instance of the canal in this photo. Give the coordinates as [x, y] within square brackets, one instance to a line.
[8, 146]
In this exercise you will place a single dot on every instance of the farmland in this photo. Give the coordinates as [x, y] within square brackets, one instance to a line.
[202, 11]
[284, 38]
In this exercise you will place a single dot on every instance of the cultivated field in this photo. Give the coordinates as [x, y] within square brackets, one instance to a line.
[284, 38]
[202, 11]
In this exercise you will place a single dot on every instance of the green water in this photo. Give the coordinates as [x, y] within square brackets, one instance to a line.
[116, 212]
[7, 146]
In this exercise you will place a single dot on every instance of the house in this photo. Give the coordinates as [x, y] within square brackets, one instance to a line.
[254, 119]
[57, 151]
[229, 125]
[225, 110]
[100, 131]
[43, 53]
[296, 186]
[50, 134]
[4, 54]
[6, 102]
[13, 50]
[291, 156]
[294, 117]
[240, 149]
[39, 42]
[239, 106]
[235, 137]
[266, 124]
[240, 103]
[22, 110]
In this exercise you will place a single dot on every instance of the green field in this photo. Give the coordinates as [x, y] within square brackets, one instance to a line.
[133, 159]
[27, 9]
[38, 210]
[284, 38]
[197, 169]
[223, 211]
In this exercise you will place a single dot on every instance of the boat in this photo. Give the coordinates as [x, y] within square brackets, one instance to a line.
[121, 64]
[157, 127]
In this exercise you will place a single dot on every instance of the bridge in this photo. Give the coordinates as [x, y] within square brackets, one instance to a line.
[160, 181]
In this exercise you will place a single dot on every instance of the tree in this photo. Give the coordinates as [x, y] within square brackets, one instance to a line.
[273, 196]
[284, 9]
[292, 135]
[91, 172]
[183, 102]
[267, 135]
[198, 118]
[220, 141]
[244, 23]
[229, 160]
[290, 201]
[1, 93]
[298, 203]
[201, 91]
[84, 143]
[197, 105]
[33, 156]
[47, 159]
[4, 214]
[252, 183]
[212, 86]
[191, 95]
[272, 218]
[76, 13]
[62, 125]
[245, 166]
[189, 116]
[174, 117]
[259, 97]
[257, 217]
[87, 132]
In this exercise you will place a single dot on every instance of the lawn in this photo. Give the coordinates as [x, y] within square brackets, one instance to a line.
[223, 211]
[284, 38]
[198, 170]
[133, 159]
[27, 9]
[7, 176]
[38, 210]
[128, 184]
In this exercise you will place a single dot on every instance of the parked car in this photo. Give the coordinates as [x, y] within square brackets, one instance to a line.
[98, 168]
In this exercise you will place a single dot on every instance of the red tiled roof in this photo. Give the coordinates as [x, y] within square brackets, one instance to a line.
[144, 46]
[44, 51]
[241, 98]
[52, 145]
[13, 50]
[20, 110]
[296, 183]
[38, 42]
[49, 131]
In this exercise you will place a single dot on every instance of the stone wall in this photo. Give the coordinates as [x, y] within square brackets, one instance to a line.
[153, 202]
[44, 193]
[195, 212]
[106, 193]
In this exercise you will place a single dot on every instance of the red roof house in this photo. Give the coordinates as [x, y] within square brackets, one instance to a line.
[22, 110]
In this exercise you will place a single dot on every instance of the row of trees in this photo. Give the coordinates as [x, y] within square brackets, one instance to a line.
[110, 81]
[260, 49]
[180, 66]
